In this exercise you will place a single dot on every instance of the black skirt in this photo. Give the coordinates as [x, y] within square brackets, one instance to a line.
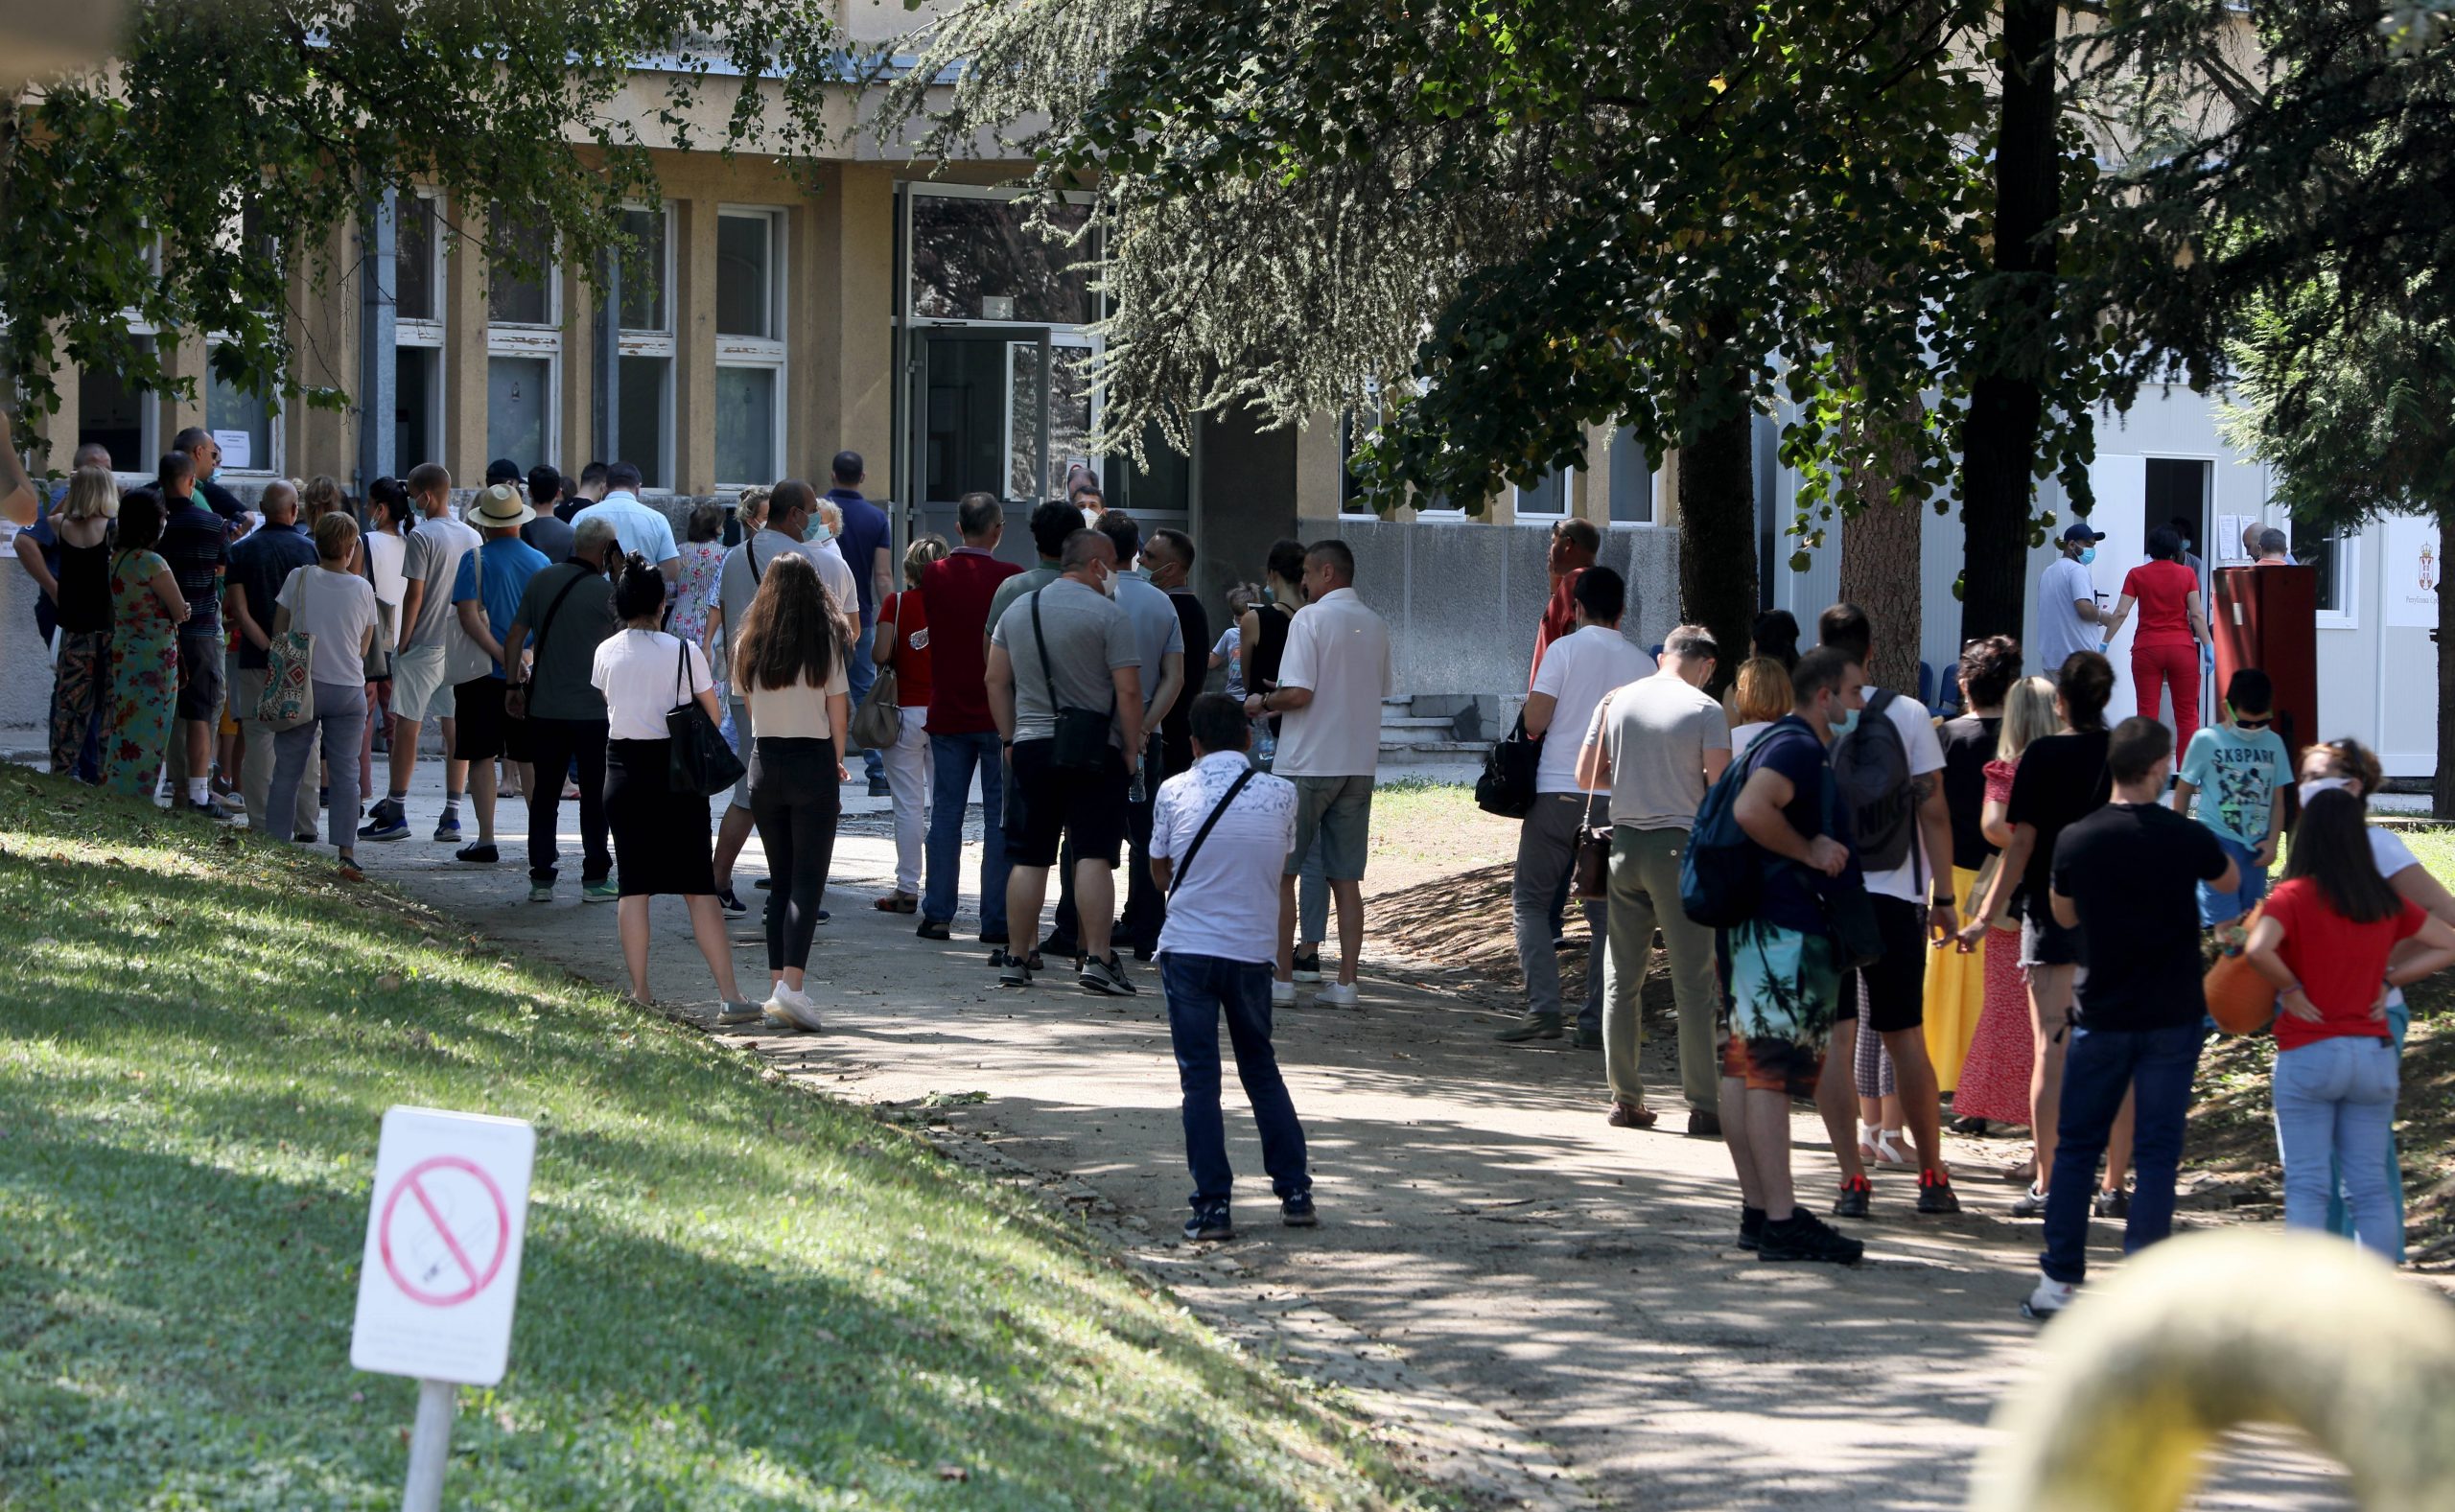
[661, 840]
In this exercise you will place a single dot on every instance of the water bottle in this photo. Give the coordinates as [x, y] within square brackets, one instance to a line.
[1137, 793]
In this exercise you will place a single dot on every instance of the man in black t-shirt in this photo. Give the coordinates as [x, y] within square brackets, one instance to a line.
[2127, 878]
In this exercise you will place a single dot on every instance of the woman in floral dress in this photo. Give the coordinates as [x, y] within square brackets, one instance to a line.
[146, 612]
[1995, 1076]
[703, 556]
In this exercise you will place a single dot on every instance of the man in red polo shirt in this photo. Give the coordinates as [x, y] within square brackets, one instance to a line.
[955, 592]
[1575, 545]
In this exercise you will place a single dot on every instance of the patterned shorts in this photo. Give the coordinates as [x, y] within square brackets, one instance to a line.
[1784, 988]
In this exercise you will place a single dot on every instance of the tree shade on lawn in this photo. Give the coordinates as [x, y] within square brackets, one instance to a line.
[733, 1293]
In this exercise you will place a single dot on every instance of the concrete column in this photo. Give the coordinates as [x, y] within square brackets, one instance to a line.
[1318, 474]
[182, 356]
[583, 351]
[378, 330]
[848, 285]
[1592, 497]
[324, 342]
[694, 346]
[465, 348]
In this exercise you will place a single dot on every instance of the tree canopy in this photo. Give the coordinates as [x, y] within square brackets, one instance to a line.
[228, 142]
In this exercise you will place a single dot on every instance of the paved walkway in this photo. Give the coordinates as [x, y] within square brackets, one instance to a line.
[1553, 1305]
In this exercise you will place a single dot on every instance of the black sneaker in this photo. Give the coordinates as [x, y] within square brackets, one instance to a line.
[1296, 1212]
[1751, 1226]
[1935, 1192]
[1308, 964]
[1804, 1236]
[2115, 1204]
[1853, 1198]
[1106, 977]
[1208, 1223]
[1066, 947]
[1013, 970]
[994, 937]
[730, 902]
[934, 929]
[481, 852]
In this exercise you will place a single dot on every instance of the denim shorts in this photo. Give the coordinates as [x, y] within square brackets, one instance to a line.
[2216, 907]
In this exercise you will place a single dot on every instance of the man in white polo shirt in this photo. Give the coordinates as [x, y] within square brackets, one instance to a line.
[1576, 670]
[641, 529]
[1220, 832]
[1331, 681]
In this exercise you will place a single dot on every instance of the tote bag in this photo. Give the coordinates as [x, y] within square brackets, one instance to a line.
[700, 762]
[879, 723]
[288, 698]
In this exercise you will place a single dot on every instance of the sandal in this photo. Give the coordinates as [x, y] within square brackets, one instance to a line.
[897, 903]
[1889, 1154]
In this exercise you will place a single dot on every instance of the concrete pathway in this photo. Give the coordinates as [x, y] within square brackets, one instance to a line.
[1551, 1309]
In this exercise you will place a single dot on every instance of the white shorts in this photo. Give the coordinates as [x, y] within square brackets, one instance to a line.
[419, 691]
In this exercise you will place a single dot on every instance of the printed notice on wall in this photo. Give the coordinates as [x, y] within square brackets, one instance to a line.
[237, 449]
[2415, 566]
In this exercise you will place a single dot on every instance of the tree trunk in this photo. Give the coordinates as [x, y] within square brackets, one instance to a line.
[1880, 573]
[1717, 539]
[2442, 785]
[1999, 437]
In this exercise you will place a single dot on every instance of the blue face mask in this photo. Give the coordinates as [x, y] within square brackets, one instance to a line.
[2088, 554]
[1844, 722]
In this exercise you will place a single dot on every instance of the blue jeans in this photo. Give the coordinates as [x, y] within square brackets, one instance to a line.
[2335, 1102]
[2399, 1022]
[1200, 987]
[2218, 908]
[955, 758]
[2157, 1065]
[861, 674]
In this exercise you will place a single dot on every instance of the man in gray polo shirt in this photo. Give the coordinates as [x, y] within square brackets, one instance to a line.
[1066, 647]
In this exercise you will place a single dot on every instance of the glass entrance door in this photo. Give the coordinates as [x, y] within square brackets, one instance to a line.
[980, 424]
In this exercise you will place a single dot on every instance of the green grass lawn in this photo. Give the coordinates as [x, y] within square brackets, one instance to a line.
[735, 1294]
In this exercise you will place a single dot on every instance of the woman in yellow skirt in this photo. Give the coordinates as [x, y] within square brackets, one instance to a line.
[1956, 983]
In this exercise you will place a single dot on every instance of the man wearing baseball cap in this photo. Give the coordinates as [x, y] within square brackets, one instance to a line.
[487, 590]
[2066, 602]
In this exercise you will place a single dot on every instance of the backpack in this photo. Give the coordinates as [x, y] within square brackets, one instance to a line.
[1871, 773]
[1721, 876]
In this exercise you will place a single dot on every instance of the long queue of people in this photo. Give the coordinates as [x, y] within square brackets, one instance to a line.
[2006, 918]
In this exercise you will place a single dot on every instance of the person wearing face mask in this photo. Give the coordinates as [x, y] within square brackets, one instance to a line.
[2236, 769]
[2068, 617]
[2350, 765]
[2125, 881]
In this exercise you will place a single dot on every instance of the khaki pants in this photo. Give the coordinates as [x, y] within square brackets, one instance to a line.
[255, 765]
[1645, 894]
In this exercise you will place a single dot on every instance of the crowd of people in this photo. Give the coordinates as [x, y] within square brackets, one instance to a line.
[2001, 918]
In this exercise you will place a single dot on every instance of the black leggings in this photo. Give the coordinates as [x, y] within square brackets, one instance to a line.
[795, 801]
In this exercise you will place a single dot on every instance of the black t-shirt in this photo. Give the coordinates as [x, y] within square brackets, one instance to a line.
[2062, 780]
[2132, 870]
[1969, 744]
[1794, 894]
[1175, 726]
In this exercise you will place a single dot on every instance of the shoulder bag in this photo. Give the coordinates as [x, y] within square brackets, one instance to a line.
[879, 723]
[700, 761]
[1594, 856]
[288, 698]
[1506, 786]
[515, 696]
[1081, 743]
[1184, 863]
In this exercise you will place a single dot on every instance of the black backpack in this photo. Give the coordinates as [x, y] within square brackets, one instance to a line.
[1871, 774]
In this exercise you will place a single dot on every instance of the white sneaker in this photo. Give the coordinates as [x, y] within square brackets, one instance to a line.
[2050, 1298]
[1282, 994]
[798, 1008]
[1336, 994]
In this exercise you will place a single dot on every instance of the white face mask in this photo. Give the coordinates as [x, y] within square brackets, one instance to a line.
[2321, 784]
[1107, 583]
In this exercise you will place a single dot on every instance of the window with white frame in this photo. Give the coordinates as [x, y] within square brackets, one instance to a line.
[524, 337]
[1633, 470]
[115, 414]
[750, 346]
[243, 420]
[1549, 496]
[2337, 555]
[417, 331]
[643, 421]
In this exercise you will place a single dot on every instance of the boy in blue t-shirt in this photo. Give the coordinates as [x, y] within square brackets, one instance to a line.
[2238, 769]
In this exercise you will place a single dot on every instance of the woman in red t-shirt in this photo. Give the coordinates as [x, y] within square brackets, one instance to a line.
[903, 643]
[2173, 626]
[2331, 937]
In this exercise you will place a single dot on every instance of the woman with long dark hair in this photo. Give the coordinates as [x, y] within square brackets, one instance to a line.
[147, 611]
[660, 835]
[2327, 939]
[789, 665]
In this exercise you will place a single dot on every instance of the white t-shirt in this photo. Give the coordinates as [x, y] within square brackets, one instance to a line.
[1744, 735]
[1576, 670]
[2389, 853]
[2059, 629]
[384, 554]
[1227, 905]
[1339, 649]
[834, 574]
[1925, 755]
[338, 609]
[639, 672]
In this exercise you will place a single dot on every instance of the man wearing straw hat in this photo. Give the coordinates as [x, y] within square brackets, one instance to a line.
[487, 591]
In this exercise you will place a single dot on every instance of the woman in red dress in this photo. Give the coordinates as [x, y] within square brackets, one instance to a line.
[1994, 1075]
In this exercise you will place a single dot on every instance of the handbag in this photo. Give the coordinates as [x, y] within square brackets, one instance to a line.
[879, 723]
[700, 761]
[1081, 743]
[1184, 863]
[288, 698]
[2240, 1000]
[1593, 857]
[515, 697]
[1506, 786]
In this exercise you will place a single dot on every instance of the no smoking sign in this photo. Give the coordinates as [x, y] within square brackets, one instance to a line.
[441, 1270]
